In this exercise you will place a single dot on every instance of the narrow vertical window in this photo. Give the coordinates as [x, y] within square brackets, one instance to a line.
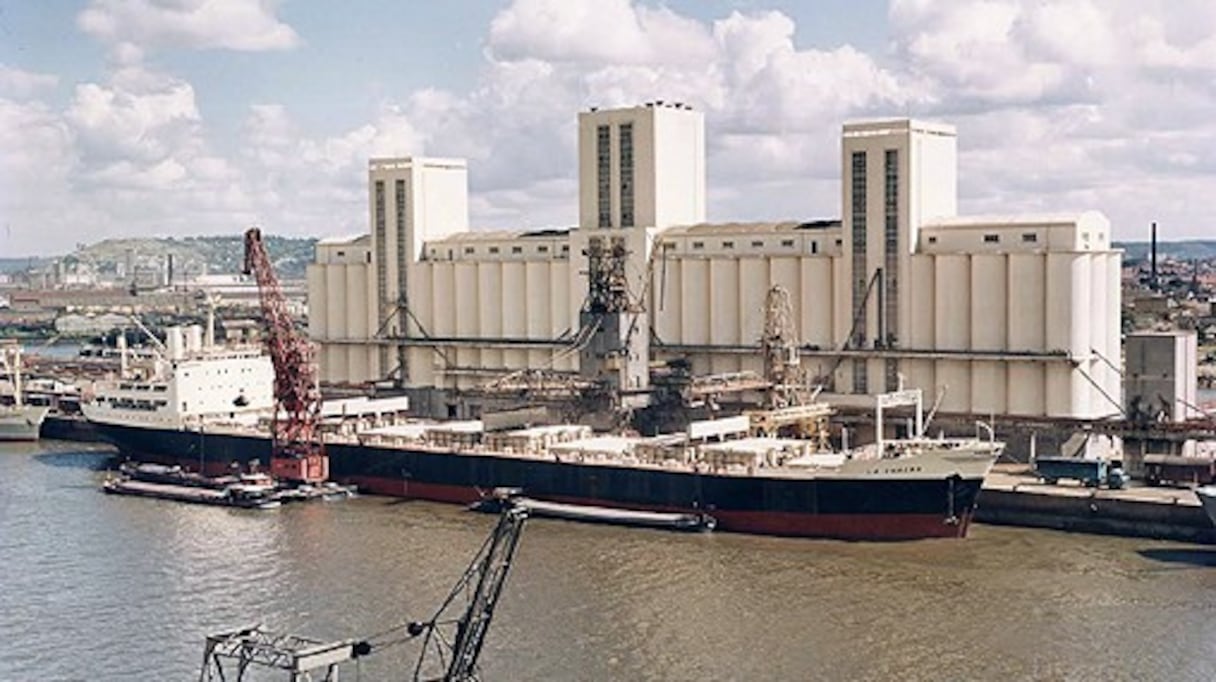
[402, 242]
[626, 142]
[890, 316]
[381, 260]
[857, 215]
[381, 242]
[603, 155]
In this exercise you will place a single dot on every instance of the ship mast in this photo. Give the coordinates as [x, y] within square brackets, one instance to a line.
[10, 354]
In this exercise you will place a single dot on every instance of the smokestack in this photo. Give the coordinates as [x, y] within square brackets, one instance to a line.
[1152, 282]
[170, 273]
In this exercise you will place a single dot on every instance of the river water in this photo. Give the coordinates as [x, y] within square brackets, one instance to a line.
[94, 587]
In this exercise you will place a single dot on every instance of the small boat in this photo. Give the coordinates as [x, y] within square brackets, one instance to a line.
[326, 492]
[175, 475]
[1207, 496]
[636, 518]
[242, 495]
[149, 472]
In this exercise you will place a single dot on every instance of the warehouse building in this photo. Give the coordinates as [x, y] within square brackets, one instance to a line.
[1007, 315]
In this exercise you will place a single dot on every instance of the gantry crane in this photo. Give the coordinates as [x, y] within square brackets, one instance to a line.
[297, 454]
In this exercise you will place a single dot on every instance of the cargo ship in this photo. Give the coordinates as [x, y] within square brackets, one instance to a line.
[19, 421]
[1207, 498]
[208, 409]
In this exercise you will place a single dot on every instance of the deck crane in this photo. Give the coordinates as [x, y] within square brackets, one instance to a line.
[297, 454]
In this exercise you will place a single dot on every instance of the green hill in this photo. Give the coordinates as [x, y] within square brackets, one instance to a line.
[1195, 249]
[194, 254]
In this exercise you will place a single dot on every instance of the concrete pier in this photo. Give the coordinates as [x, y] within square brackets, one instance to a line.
[1013, 496]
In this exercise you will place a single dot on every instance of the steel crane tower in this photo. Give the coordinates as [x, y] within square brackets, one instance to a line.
[297, 454]
[452, 645]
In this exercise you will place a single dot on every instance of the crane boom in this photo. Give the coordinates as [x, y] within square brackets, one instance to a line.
[297, 454]
[453, 644]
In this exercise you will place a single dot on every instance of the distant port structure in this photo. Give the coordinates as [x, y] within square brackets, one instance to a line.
[1015, 315]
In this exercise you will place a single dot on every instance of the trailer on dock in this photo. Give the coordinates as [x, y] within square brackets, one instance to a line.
[1091, 473]
[1177, 470]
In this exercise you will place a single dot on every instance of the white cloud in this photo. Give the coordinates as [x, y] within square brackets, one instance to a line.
[125, 156]
[247, 25]
[1071, 104]
[306, 185]
[140, 116]
[37, 161]
[771, 107]
[604, 32]
[17, 83]
[1060, 105]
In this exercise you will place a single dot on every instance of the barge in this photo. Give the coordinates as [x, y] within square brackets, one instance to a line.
[633, 518]
[244, 496]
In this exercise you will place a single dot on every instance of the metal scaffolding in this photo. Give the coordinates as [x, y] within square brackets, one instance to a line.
[230, 655]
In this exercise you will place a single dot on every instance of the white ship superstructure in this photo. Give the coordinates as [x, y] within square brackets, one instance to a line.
[18, 421]
[190, 381]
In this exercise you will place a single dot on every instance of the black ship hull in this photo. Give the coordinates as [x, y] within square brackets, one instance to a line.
[829, 507]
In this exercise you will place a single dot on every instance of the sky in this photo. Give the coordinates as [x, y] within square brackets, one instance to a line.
[124, 118]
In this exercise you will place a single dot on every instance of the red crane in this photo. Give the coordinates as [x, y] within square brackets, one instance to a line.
[297, 454]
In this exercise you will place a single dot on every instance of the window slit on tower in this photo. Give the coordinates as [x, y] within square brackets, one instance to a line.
[860, 276]
[603, 152]
[626, 151]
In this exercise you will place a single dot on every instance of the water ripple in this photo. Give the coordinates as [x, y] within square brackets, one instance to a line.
[104, 588]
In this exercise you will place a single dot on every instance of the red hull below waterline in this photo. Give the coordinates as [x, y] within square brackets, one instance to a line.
[789, 524]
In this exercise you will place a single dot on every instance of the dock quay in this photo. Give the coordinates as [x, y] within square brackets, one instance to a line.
[1013, 496]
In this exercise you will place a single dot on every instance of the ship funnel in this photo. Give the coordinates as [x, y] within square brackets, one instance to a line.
[194, 338]
[175, 342]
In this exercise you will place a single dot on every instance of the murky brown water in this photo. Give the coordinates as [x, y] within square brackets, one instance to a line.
[102, 588]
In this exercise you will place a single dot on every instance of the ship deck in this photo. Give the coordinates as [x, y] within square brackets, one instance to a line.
[613, 460]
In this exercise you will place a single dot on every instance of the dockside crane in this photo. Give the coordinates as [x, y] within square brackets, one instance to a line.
[297, 454]
[452, 638]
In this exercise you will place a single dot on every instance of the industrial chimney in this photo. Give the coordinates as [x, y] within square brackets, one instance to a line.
[1152, 282]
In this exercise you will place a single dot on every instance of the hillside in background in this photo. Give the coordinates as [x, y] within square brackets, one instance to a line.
[292, 255]
[1195, 249]
[10, 265]
[194, 255]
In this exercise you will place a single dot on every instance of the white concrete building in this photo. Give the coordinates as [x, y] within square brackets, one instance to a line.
[1006, 315]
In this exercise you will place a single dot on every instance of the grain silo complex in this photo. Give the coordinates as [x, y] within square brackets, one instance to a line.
[1007, 315]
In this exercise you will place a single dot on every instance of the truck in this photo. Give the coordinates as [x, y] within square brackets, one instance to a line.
[1179, 471]
[1089, 472]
